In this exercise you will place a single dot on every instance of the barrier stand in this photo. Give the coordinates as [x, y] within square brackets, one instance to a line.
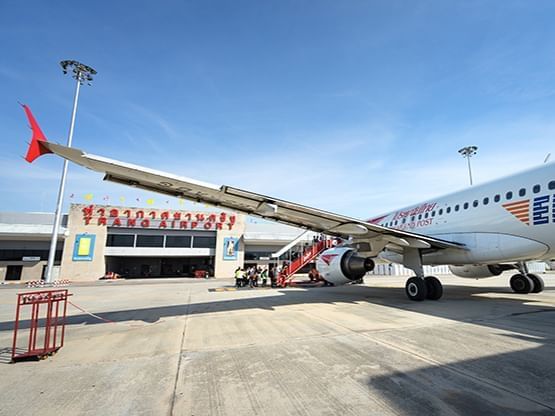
[40, 344]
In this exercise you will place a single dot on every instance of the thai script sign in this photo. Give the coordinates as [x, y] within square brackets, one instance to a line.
[140, 218]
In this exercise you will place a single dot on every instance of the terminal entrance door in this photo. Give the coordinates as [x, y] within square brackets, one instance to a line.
[145, 267]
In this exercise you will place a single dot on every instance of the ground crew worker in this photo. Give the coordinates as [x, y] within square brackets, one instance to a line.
[272, 275]
[264, 276]
[238, 277]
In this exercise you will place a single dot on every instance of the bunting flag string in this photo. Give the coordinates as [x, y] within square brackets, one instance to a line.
[150, 201]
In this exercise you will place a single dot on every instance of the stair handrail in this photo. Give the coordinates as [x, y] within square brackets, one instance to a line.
[307, 256]
[289, 245]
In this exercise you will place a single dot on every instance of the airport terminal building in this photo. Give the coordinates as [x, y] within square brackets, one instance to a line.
[137, 242]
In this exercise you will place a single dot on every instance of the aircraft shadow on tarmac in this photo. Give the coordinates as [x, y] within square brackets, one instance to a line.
[507, 383]
[450, 307]
[495, 382]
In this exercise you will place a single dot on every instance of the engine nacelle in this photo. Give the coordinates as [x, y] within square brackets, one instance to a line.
[341, 265]
[479, 271]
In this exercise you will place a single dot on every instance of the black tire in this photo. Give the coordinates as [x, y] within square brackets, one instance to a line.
[435, 288]
[538, 283]
[416, 289]
[521, 284]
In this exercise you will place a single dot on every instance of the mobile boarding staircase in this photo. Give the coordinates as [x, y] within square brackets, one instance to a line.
[285, 277]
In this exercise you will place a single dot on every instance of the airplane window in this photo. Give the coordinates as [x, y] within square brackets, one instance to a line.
[509, 195]
[475, 203]
[536, 189]
[412, 218]
[497, 198]
[420, 217]
[486, 200]
[440, 212]
[551, 185]
[465, 206]
[404, 220]
[448, 210]
[522, 192]
[457, 207]
[426, 215]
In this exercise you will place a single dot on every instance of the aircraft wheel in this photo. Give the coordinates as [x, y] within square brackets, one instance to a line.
[434, 288]
[416, 289]
[521, 284]
[538, 283]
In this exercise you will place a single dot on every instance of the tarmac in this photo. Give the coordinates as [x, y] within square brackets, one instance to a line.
[179, 347]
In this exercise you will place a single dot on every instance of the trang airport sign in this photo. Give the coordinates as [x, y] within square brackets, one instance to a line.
[141, 218]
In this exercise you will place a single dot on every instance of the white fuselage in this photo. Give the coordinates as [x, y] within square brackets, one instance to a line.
[506, 220]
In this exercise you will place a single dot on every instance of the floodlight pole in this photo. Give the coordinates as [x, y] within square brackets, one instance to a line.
[467, 152]
[81, 73]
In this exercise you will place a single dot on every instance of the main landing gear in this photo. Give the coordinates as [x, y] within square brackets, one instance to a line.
[419, 287]
[525, 282]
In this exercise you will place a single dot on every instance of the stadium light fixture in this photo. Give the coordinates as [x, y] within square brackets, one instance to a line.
[82, 74]
[467, 152]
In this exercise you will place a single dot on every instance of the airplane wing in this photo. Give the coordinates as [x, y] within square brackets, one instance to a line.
[232, 198]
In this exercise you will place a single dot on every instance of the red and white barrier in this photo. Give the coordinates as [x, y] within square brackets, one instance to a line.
[42, 283]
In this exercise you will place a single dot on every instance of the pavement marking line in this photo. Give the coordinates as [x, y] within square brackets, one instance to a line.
[180, 352]
[436, 363]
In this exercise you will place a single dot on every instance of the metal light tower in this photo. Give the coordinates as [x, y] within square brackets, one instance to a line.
[82, 74]
[467, 152]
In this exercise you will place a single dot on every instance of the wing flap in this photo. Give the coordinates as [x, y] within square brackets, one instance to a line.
[243, 201]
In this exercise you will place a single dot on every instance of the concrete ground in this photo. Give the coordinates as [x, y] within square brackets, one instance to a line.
[176, 348]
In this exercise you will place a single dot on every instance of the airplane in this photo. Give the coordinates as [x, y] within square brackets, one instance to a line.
[479, 232]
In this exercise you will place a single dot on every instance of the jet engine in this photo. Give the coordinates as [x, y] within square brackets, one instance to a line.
[341, 265]
[479, 271]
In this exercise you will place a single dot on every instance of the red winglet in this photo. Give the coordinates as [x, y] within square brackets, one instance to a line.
[36, 148]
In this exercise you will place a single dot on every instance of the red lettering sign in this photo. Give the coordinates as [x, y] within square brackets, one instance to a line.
[195, 220]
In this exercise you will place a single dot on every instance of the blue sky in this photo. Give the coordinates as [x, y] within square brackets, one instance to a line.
[356, 107]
